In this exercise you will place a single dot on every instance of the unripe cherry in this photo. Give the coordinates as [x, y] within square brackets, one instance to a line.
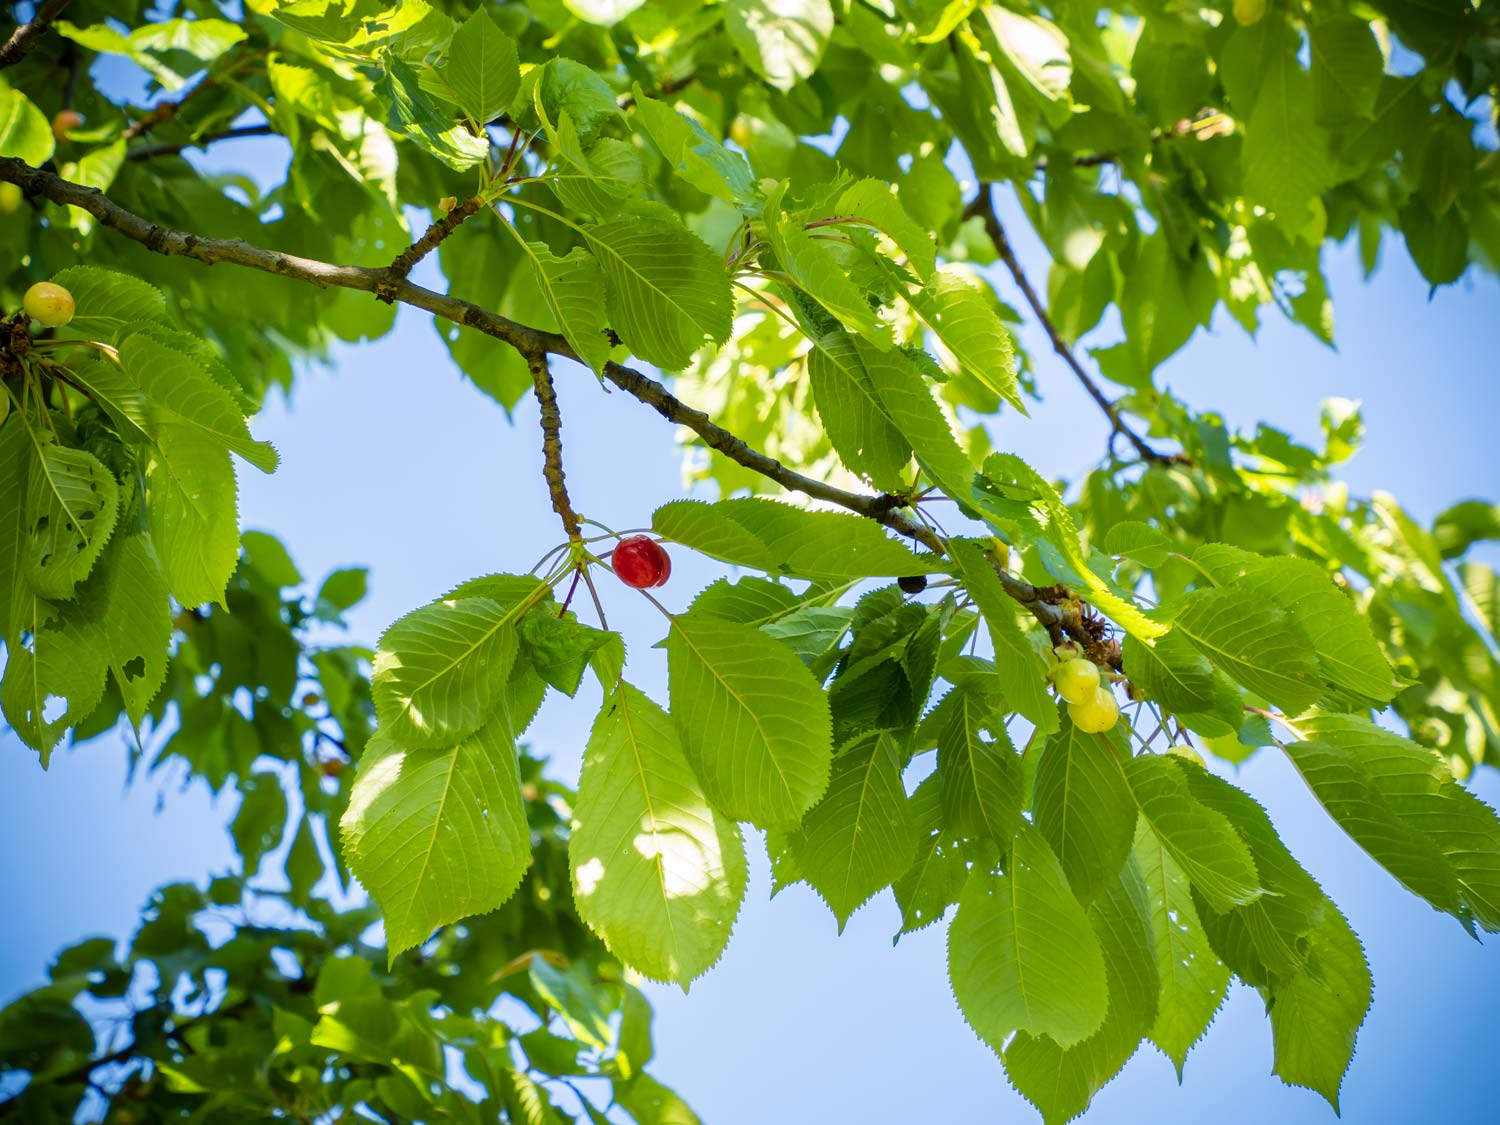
[1077, 680]
[64, 122]
[50, 304]
[1248, 13]
[641, 562]
[1097, 715]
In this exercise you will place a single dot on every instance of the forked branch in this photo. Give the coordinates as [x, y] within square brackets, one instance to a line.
[528, 341]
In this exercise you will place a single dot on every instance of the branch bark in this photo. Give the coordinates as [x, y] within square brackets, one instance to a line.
[525, 339]
[407, 260]
[983, 205]
[25, 37]
[552, 460]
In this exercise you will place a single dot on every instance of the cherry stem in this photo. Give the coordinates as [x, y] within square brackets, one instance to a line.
[567, 601]
[594, 594]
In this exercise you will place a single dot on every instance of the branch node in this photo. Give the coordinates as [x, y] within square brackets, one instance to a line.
[406, 261]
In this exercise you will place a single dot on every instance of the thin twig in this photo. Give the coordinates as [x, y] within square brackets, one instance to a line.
[983, 205]
[882, 508]
[151, 152]
[25, 37]
[430, 240]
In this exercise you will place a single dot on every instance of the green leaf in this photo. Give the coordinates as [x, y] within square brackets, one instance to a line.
[978, 770]
[782, 40]
[1061, 1082]
[667, 290]
[559, 648]
[109, 304]
[64, 663]
[572, 285]
[482, 73]
[413, 114]
[177, 394]
[260, 820]
[1037, 49]
[936, 875]
[861, 835]
[1348, 655]
[1347, 67]
[959, 310]
[204, 39]
[137, 623]
[437, 835]
[17, 463]
[656, 871]
[853, 415]
[25, 132]
[876, 203]
[1316, 1015]
[693, 153]
[797, 542]
[1193, 979]
[1021, 671]
[1083, 806]
[1172, 672]
[440, 669]
[192, 514]
[1458, 528]
[755, 724]
[1286, 156]
[1254, 642]
[819, 269]
[1132, 539]
[812, 632]
[603, 13]
[1415, 788]
[1202, 842]
[1022, 955]
[71, 509]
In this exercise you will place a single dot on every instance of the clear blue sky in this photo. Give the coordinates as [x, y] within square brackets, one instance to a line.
[390, 459]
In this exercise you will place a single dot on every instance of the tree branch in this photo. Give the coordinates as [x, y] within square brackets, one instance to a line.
[151, 152]
[884, 509]
[133, 1049]
[25, 37]
[983, 205]
[552, 461]
[406, 261]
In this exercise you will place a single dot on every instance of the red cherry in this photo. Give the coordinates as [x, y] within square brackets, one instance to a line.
[641, 562]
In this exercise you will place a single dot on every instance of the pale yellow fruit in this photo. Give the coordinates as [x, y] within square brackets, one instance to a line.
[1098, 714]
[1077, 680]
[1248, 13]
[50, 304]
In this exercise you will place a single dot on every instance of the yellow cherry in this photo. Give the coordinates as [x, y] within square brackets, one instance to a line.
[48, 303]
[1077, 680]
[1098, 715]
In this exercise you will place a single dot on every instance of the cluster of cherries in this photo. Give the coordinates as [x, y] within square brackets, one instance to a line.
[1091, 703]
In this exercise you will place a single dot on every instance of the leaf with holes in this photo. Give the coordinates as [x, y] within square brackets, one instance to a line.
[656, 871]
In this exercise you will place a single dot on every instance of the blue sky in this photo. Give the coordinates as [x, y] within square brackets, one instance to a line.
[390, 459]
